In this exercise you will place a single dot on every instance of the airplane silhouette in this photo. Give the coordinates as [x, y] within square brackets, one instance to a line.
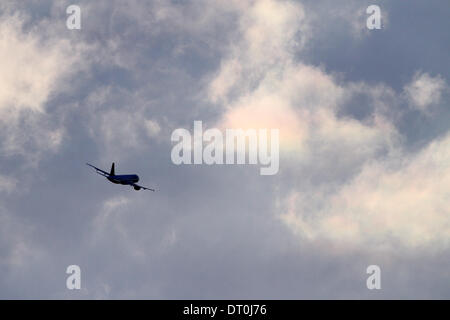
[125, 179]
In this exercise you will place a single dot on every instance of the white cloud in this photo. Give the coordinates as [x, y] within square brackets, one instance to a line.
[152, 127]
[36, 64]
[267, 37]
[424, 90]
[398, 201]
[265, 86]
[31, 66]
[355, 184]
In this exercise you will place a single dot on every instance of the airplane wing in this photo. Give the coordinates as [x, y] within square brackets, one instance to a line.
[145, 188]
[99, 171]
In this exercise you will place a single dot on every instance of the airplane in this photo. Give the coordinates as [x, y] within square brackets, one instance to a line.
[127, 179]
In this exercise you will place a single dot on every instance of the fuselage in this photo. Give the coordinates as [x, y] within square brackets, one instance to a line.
[123, 178]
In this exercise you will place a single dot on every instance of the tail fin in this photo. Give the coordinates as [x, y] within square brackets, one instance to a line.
[112, 173]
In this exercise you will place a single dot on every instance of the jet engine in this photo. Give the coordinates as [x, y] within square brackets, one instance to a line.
[137, 188]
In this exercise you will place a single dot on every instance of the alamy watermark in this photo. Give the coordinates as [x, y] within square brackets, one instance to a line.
[74, 280]
[73, 21]
[236, 146]
[374, 280]
[374, 20]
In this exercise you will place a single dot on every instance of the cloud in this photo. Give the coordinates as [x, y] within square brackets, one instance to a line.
[354, 177]
[17, 250]
[120, 131]
[261, 86]
[108, 215]
[398, 201]
[33, 67]
[266, 38]
[350, 191]
[152, 127]
[7, 184]
[36, 65]
[424, 90]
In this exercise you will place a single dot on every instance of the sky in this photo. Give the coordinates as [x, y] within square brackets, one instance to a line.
[364, 145]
